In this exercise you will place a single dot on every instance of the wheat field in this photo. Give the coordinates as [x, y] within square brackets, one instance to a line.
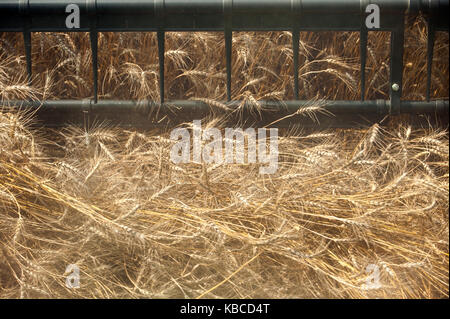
[109, 199]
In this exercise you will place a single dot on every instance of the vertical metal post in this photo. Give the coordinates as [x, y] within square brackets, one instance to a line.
[295, 49]
[93, 35]
[430, 49]
[161, 50]
[363, 57]
[27, 43]
[228, 48]
[296, 8]
[24, 8]
[94, 48]
[161, 36]
[227, 10]
[396, 67]
[363, 34]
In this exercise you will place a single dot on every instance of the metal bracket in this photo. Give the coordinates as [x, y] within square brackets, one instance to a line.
[86, 106]
[86, 109]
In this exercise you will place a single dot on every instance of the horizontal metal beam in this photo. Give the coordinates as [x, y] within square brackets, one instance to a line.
[210, 15]
[149, 114]
[196, 107]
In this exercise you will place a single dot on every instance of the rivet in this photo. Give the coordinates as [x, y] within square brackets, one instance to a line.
[395, 87]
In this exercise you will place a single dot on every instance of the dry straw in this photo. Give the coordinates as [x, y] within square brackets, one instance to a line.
[110, 200]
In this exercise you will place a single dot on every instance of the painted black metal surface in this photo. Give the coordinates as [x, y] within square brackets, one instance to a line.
[148, 114]
[226, 16]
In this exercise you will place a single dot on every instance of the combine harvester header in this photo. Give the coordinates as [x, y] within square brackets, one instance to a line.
[226, 16]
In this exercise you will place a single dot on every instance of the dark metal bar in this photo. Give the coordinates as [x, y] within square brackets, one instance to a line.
[159, 17]
[228, 28]
[23, 7]
[27, 43]
[94, 48]
[208, 15]
[296, 9]
[151, 114]
[228, 49]
[91, 7]
[295, 49]
[380, 107]
[396, 66]
[430, 49]
[363, 57]
[161, 51]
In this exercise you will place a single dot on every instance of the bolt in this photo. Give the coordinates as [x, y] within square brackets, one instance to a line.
[395, 87]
